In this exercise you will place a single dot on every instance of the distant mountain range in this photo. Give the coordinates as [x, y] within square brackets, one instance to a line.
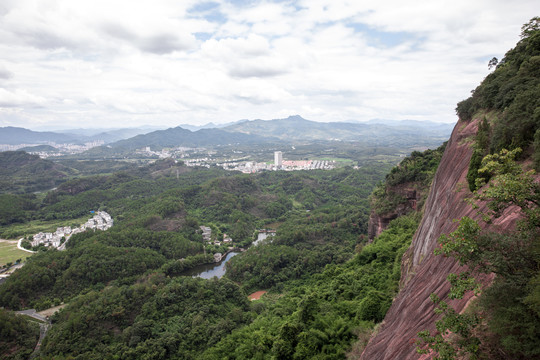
[292, 129]
[376, 131]
[16, 135]
[209, 125]
[182, 137]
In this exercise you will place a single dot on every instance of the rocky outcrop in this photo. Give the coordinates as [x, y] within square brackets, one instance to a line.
[424, 273]
[409, 193]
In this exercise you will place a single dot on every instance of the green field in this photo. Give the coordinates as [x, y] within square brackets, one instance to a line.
[10, 253]
[30, 228]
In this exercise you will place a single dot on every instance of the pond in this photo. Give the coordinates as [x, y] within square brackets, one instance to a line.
[208, 271]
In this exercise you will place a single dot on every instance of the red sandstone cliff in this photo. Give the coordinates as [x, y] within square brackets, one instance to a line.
[422, 272]
[379, 222]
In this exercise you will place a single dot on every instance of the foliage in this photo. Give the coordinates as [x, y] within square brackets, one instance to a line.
[18, 336]
[157, 224]
[305, 243]
[415, 171]
[513, 92]
[155, 319]
[511, 301]
[418, 167]
[24, 173]
[481, 149]
[317, 318]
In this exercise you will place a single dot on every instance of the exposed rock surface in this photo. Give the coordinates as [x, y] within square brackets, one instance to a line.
[379, 222]
[422, 272]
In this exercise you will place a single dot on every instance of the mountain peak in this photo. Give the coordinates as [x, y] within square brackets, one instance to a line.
[296, 118]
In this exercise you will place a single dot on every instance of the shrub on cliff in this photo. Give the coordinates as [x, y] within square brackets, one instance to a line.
[512, 91]
[416, 170]
[510, 305]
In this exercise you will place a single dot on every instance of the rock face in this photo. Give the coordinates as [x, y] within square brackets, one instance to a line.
[422, 272]
[379, 222]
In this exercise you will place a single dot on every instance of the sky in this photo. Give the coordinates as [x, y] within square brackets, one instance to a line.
[125, 63]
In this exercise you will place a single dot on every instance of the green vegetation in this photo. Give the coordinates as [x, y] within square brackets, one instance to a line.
[157, 318]
[320, 317]
[157, 218]
[125, 290]
[414, 173]
[24, 173]
[18, 336]
[9, 253]
[511, 97]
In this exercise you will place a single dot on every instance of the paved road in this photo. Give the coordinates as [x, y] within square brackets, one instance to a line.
[33, 313]
[21, 248]
[43, 328]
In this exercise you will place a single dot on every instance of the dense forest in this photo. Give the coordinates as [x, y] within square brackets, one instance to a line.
[18, 336]
[124, 288]
[23, 173]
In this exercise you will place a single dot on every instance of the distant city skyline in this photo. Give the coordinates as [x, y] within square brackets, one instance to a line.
[78, 64]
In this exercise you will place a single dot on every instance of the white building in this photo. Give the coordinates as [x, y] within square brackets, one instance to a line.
[278, 159]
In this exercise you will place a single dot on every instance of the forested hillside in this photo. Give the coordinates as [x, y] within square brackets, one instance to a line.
[24, 173]
[404, 190]
[18, 336]
[126, 293]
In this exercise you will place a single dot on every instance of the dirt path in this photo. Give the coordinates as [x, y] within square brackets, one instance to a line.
[51, 311]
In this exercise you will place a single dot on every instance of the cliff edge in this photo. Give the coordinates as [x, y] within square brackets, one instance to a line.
[423, 273]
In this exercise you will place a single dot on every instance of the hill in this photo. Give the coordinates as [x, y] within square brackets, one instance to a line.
[15, 135]
[178, 136]
[21, 172]
[299, 129]
[39, 148]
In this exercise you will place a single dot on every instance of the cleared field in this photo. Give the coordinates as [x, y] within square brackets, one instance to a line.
[18, 230]
[10, 253]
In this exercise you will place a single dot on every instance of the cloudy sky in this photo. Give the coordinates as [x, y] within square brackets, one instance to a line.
[126, 63]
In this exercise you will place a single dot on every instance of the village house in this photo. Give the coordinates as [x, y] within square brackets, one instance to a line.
[101, 221]
[227, 238]
[206, 233]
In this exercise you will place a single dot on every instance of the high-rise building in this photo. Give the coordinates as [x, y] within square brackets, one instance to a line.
[278, 159]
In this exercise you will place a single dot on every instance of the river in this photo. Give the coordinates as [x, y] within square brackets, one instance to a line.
[208, 271]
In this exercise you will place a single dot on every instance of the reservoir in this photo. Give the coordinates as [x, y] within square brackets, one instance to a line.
[208, 271]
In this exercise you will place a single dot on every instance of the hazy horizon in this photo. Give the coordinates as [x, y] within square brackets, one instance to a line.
[149, 127]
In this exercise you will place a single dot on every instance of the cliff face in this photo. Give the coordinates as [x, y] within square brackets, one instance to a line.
[422, 272]
[379, 222]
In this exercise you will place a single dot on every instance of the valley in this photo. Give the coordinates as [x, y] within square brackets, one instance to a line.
[284, 238]
[157, 244]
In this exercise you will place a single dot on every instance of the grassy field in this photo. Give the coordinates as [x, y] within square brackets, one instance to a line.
[30, 228]
[10, 253]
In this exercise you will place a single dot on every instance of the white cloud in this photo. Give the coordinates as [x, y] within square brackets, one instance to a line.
[18, 98]
[124, 63]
